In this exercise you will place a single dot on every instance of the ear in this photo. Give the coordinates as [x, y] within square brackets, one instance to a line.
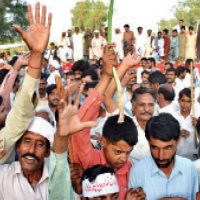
[48, 152]
[104, 142]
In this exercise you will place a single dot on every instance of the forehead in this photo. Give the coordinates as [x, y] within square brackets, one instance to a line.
[185, 98]
[161, 144]
[144, 98]
[33, 136]
[54, 91]
[121, 145]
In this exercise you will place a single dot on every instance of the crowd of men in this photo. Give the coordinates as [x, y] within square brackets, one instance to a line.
[60, 138]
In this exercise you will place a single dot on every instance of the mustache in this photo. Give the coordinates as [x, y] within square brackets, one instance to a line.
[31, 155]
[146, 113]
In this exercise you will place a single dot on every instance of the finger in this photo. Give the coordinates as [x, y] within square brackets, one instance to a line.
[61, 106]
[49, 21]
[30, 15]
[89, 124]
[78, 97]
[18, 29]
[69, 98]
[37, 13]
[43, 20]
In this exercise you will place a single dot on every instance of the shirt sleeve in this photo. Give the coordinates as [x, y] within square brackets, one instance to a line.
[195, 182]
[60, 186]
[133, 179]
[6, 88]
[19, 118]
[83, 152]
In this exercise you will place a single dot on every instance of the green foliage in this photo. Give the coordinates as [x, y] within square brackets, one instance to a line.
[12, 11]
[85, 12]
[188, 10]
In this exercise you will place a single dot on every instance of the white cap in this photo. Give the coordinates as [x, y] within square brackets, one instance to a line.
[42, 127]
[103, 184]
[2, 61]
[55, 64]
[96, 31]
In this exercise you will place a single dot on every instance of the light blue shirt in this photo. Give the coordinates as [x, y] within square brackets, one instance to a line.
[183, 181]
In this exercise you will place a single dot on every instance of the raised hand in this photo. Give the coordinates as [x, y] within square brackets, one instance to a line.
[22, 61]
[109, 59]
[37, 36]
[69, 121]
[131, 60]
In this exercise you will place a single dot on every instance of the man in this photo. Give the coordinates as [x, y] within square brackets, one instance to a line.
[145, 79]
[77, 44]
[42, 90]
[140, 41]
[118, 41]
[51, 52]
[158, 47]
[165, 97]
[143, 100]
[191, 39]
[187, 146]
[128, 40]
[53, 100]
[182, 43]
[151, 63]
[164, 174]
[98, 44]
[179, 25]
[166, 44]
[140, 69]
[181, 74]
[174, 46]
[148, 44]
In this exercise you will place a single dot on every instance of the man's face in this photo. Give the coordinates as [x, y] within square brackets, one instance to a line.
[96, 35]
[140, 30]
[182, 30]
[180, 23]
[3, 115]
[69, 33]
[42, 86]
[160, 34]
[77, 74]
[116, 154]
[170, 76]
[143, 107]
[52, 47]
[190, 31]
[117, 31]
[149, 32]
[149, 64]
[70, 79]
[174, 34]
[32, 150]
[163, 152]
[185, 104]
[53, 98]
[114, 196]
[145, 78]
[182, 75]
[76, 30]
[126, 29]
[143, 63]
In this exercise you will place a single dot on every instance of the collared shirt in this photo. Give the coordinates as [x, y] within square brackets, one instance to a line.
[84, 153]
[141, 149]
[168, 109]
[14, 186]
[183, 181]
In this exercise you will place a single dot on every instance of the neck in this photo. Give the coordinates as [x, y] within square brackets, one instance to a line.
[53, 109]
[185, 114]
[164, 104]
[42, 95]
[142, 124]
[167, 171]
[33, 177]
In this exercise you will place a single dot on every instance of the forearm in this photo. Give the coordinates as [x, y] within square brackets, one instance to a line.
[60, 144]
[35, 62]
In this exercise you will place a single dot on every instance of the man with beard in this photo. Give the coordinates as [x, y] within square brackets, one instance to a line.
[42, 90]
[164, 174]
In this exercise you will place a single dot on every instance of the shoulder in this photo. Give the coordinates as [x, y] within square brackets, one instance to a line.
[142, 166]
[184, 163]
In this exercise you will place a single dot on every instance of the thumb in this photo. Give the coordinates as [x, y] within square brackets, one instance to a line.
[89, 124]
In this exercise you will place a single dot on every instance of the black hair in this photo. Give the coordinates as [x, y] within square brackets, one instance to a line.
[188, 62]
[126, 131]
[167, 92]
[80, 65]
[3, 73]
[126, 26]
[191, 28]
[90, 72]
[163, 127]
[174, 30]
[141, 91]
[157, 77]
[90, 85]
[13, 60]
[171, 69]
[151, 59]
[52, 44]
[92, 172]
[145, 59]
[180, 70]
[43, 76]
[186, 92]
[170, 64]
[198, 126]
[50, 88]
[166, 31]
[145, 72]
[183, 27]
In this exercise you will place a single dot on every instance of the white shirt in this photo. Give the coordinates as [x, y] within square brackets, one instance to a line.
[186, 146]
[168, 109]
[51, 79]
[14, 186]
[141, 149]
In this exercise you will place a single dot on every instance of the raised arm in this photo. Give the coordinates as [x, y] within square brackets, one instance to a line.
[19, 118]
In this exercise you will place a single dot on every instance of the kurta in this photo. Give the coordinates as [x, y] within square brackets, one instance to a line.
[191, 46]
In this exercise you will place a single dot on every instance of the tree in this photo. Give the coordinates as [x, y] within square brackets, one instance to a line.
[12, 11]
[189, 10]
[85, 12]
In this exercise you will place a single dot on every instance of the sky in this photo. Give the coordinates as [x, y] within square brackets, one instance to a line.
[146, 13]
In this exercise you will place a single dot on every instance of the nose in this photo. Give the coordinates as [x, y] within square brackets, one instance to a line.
[161, 154]
[146, 108]
[124, 157]
[32, 148]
